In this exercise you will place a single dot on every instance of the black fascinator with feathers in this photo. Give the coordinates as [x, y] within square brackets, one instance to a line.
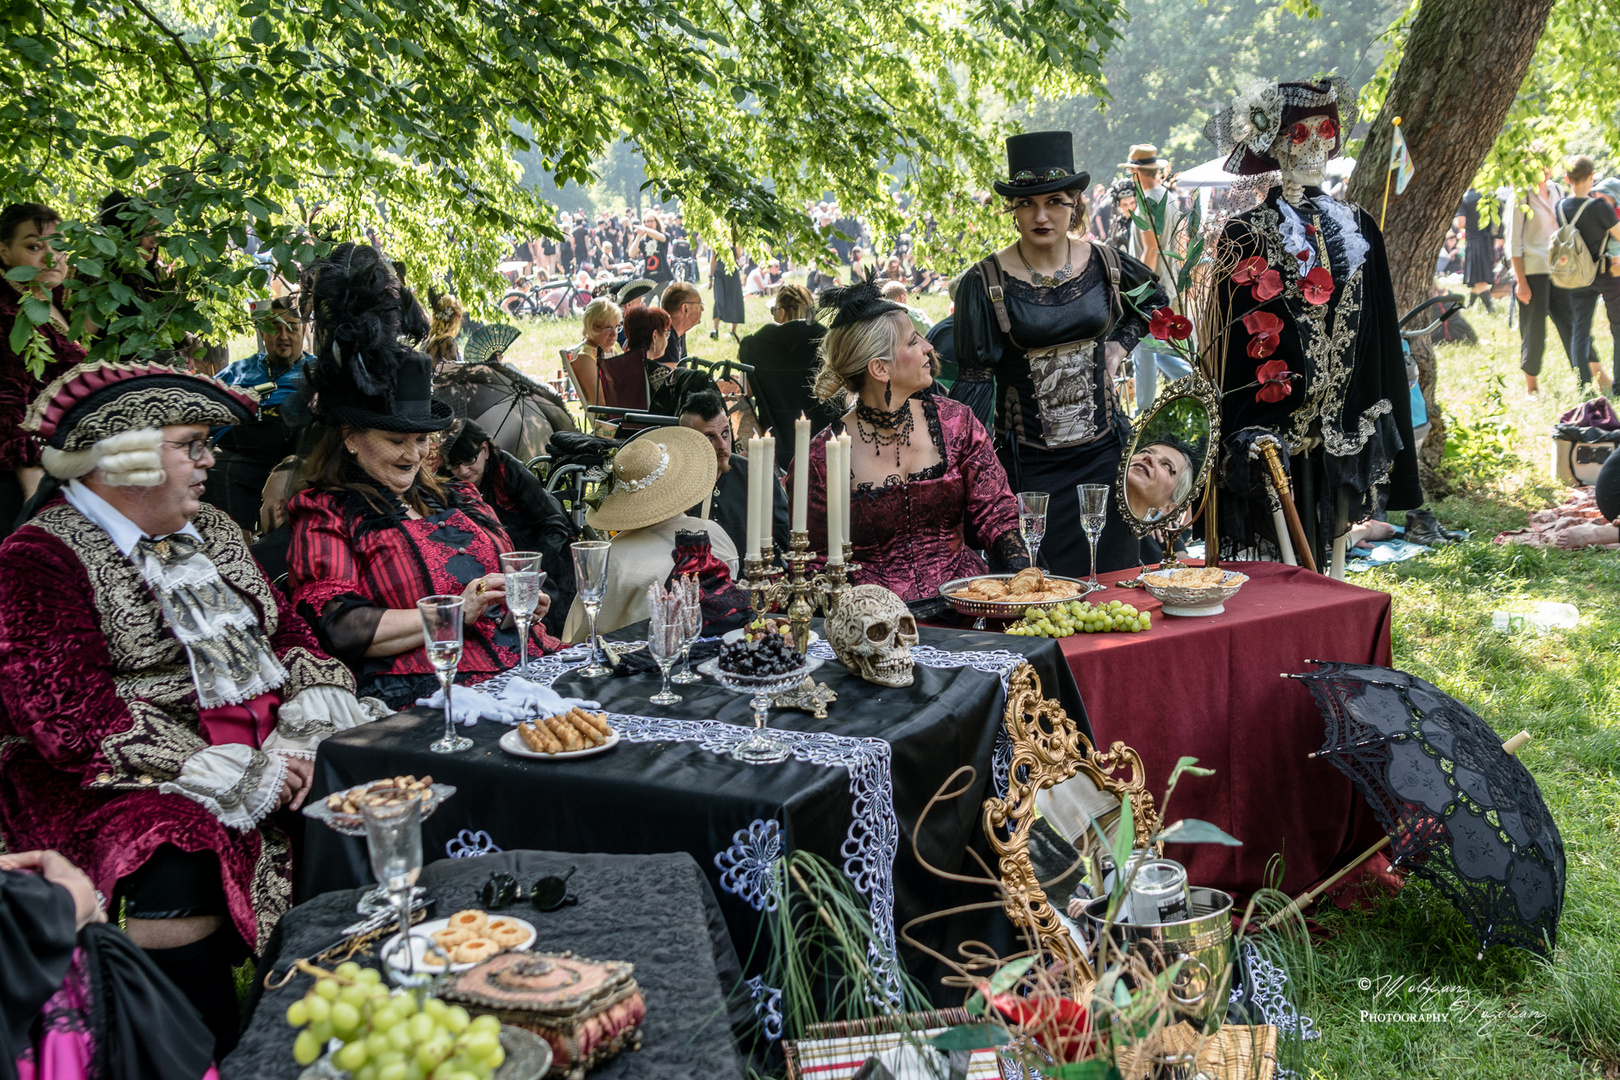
[853, 303]
[365, 373]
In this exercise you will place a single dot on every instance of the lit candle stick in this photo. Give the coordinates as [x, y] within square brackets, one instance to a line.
[835, 502]
[767, 491]
[846, 480]
[801, 472]
[754, 454]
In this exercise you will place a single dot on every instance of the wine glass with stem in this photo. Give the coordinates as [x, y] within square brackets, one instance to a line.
[394, 842]
[1093, 516]
[1032, 521]
[441, 634]
[523, 581]
[691, 626]
[590, 578]
[666, 632]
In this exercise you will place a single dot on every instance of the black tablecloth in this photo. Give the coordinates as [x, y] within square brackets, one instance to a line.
[655, 911]
[677, 796]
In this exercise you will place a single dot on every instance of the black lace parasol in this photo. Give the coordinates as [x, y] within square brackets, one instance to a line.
[1460, 811]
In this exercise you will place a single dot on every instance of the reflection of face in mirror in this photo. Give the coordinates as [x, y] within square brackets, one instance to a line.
[1159, 478]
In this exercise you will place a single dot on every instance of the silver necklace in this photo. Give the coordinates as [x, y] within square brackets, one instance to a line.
[1043, 281]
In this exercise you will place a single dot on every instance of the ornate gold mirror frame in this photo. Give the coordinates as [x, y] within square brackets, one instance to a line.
[1047, 750]
[1196, 388]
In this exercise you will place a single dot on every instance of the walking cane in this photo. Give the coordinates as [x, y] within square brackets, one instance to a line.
[1285, 495]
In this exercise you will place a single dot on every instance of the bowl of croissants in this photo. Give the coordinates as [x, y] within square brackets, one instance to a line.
[1008, 596]
[1193, 590]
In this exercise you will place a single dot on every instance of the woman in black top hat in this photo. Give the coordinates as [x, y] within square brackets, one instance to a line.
[376, 531]
[1040, 327]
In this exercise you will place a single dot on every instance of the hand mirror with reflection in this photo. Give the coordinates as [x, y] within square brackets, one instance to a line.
[1164, 472]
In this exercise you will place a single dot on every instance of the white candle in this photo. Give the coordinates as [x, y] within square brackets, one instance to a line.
[801, 473]
[835, 503]
[754, 471]
[767, 491]
[846, 480]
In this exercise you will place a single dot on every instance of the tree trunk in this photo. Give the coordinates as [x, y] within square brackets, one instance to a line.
[1464, 63]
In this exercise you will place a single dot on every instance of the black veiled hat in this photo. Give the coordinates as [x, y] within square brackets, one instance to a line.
[1039, 162]
[853, 303]
[365, 374]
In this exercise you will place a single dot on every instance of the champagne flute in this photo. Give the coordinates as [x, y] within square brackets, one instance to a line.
[523, 581]
[441, 634]
[692, 627]
[1093, 516]
[591, 577]
[1032, 521]
[394, 842]
[666, 630]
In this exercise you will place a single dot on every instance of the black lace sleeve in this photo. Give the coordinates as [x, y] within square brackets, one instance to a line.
[1133, 323]
[346, 626]
[1008, 554]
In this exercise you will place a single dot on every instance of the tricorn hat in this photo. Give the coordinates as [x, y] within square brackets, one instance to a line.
[96, 400]
[1039, 162]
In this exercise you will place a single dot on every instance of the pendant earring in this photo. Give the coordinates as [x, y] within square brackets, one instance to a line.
[888, 396]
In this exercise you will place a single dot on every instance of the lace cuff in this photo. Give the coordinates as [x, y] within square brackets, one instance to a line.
[1008, 553]
[317, 712]
[236, 783]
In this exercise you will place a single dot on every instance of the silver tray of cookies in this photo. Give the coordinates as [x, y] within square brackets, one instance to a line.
[340, 811]
[1007, 596]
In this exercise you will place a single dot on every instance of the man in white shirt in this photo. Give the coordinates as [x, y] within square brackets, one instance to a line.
[1530, 221]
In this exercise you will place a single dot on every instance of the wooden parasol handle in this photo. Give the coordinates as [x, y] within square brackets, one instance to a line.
[1279, 478]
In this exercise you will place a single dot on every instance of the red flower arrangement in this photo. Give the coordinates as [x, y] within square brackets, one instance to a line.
[1316, 286]
[1263, 328]
[1051, 1018]
[1253, 272]
[1276, 381]
[1166, 325]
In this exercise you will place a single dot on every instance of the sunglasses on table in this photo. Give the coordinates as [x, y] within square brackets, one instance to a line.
[547, 894]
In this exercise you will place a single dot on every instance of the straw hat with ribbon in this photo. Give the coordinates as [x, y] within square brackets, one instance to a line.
[656, 476]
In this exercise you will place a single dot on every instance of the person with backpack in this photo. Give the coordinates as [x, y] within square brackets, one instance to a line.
[1590, 222]
[1531, 221]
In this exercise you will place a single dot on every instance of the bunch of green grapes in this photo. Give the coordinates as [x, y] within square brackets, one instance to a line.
[1064, 620]
[386, 1036]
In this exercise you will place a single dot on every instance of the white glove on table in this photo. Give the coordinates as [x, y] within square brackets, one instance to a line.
[532, 699]
[468, 705]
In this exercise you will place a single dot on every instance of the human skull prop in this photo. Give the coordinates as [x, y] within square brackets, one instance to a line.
[873, 632]
[1303, 151]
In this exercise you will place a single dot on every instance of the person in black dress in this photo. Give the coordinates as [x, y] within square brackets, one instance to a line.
[1479, 256]
[783, 356]
[726, 277]
[1038, 366]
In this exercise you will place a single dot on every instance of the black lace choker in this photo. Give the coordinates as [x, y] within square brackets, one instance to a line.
[878, 428]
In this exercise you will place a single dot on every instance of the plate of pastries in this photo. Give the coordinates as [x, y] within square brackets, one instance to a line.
[1193, 590]
[341, 809]
[576, 733]
[1005, 596]
[468, 938]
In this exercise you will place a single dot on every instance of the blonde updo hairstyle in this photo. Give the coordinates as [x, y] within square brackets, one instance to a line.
[847, 350]
[444, 329]
[600, 312]
[128, 459]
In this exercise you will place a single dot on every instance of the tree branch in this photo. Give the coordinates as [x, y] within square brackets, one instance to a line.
[191, 62]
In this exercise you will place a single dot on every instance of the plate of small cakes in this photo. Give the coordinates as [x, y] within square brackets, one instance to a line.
[1008, 596]
[574, 734]
[468, 938]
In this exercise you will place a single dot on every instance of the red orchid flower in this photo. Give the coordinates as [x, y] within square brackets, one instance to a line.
[1310, 230]
[1276, 381]
[1166, 325]
[1317, 286]
[1267, 286]
[1249, 270]
[1051, 1019]
[1263, 328]
[1303, 255]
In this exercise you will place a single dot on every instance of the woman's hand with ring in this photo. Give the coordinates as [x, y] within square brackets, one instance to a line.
[481, 594]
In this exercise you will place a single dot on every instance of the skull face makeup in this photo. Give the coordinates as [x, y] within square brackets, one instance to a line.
[873, 632]
[1303, 154]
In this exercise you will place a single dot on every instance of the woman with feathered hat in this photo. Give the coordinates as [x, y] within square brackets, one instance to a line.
[375, 530]
[1040, 327]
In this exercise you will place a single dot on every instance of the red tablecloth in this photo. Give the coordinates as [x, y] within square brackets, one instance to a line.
[1210, 688]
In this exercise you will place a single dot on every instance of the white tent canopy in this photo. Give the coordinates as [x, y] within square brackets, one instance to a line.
[1209, 174]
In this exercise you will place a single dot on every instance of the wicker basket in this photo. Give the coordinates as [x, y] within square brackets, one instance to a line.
[828, 1048]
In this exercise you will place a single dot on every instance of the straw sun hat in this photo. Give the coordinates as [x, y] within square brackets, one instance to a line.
[656, 476]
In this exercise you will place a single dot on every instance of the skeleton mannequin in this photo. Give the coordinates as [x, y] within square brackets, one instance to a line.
[1303, 155]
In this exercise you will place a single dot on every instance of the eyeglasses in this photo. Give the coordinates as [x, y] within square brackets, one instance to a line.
[547, 894]
[197, 449]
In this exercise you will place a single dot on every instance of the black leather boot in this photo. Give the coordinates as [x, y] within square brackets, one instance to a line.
[1422, 528]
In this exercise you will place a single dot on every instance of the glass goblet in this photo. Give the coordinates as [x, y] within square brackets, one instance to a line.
[591, 579]
[394, 843]
[524, 579]
[1032, 521]
[691, 626]
[441, 635]
[665, 633]
[1093, 516]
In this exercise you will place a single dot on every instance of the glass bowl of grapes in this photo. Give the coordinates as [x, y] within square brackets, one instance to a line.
[760, 665]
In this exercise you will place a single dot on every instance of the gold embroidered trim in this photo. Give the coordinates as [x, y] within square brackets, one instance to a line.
[270, 891]
[305, 669]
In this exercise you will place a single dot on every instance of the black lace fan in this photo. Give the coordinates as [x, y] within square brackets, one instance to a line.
[1460, 811]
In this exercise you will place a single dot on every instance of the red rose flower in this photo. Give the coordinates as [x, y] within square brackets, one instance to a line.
[1267, 286]
[1276, 381]
[1249, 270]
[1166, 325]
[1317, 286]
[1263, 328]
[1051, 1020]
